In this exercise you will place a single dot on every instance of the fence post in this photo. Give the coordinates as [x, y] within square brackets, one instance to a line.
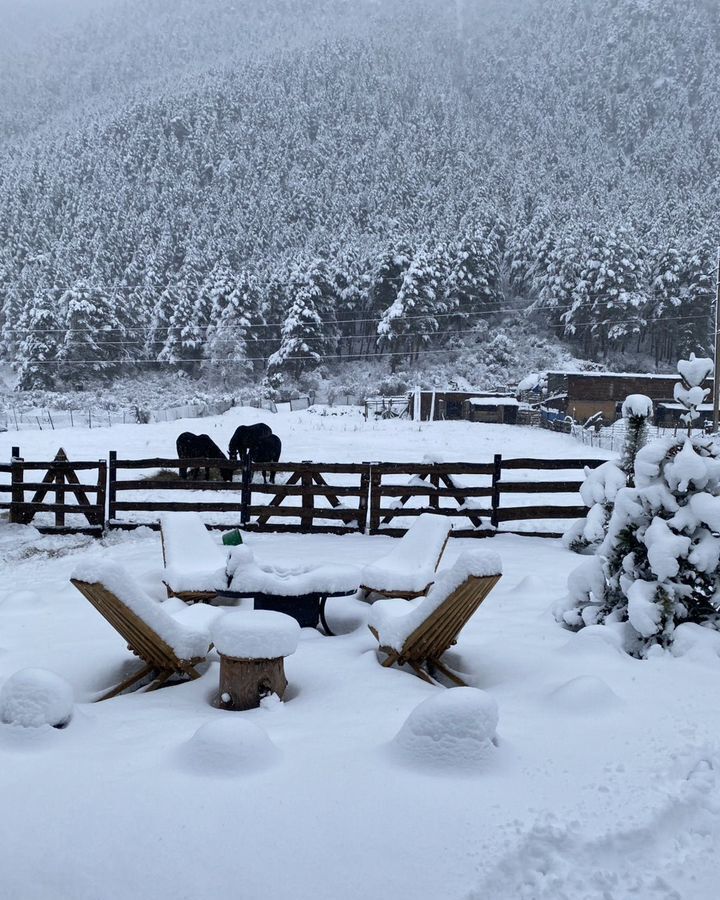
[246, 491]
[495, 498]
[435, 482]
[17, 493]
[100, 496]
[308, 499]
[59, 499]
[111, 481]
[364, 497]
[375, 497]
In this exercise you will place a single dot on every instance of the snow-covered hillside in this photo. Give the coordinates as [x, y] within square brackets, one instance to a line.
[248, 189]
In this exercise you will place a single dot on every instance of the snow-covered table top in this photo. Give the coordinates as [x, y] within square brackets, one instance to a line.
[247, 576]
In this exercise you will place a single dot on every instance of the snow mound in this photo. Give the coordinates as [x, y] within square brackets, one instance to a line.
[228, 746]
[36, 697]
[606, 640]
[584, 694]
[255, 634]
[451, 730]
[696, 642]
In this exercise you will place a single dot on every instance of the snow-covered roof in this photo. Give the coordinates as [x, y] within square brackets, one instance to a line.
[668, 376]
[703, 407]
[493, 401]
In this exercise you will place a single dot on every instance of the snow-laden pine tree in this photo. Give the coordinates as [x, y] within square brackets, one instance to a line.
[659, 565]
[472, 281]
[232, 343]
[309, 334]
[602, 484]
[40, 337]
[91, 346]
[410, 322]
[666, 299]
[608, 303]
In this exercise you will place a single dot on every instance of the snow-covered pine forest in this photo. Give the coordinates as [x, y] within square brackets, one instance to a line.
[262, 191]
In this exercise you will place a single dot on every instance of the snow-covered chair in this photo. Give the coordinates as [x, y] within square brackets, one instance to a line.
[194, 563]
[409, 569]
[419, 632]
[167, 645]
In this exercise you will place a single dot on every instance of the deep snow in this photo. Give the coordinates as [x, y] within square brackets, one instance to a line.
[602, 781]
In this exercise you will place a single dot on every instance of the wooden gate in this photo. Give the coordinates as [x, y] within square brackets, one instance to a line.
[60, 479]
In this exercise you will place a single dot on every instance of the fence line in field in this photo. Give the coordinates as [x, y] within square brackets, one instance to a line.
[373, 497]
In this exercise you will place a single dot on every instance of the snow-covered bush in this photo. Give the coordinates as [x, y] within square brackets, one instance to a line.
[452, 730]
[689, 391]
[603, 483]
[658, 565]
[36, 697]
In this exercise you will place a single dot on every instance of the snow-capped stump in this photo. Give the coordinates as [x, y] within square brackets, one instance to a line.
[36, 697]
[228, 746]
[453, 730]
[584, 694]
[252, 645]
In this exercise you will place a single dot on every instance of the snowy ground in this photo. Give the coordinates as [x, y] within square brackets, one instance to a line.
[604, 782]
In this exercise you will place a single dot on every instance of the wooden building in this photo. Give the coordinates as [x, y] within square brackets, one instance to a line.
[502, 410]
[591, 392]
[446, 404]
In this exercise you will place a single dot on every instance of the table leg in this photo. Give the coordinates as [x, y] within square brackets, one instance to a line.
[323, 620]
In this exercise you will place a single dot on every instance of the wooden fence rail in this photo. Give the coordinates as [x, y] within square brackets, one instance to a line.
[375, 497]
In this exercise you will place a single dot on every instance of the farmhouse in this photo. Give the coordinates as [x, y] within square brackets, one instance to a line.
[591, 392]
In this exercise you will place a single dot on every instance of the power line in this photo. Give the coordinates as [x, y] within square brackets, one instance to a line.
[549, 310]
[439, 333]
[347, 357]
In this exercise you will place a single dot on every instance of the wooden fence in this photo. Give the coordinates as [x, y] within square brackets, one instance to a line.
[302, 494]
[375, 497]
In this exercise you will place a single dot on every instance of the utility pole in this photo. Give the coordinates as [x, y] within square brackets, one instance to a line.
[716, 375]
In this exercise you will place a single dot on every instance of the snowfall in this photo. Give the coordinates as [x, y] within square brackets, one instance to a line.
[566, 770]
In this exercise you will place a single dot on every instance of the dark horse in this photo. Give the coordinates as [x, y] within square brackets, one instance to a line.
[266, 450]
[245, 438]
[191, 446]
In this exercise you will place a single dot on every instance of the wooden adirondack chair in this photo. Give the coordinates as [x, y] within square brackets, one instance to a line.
[193, 562]
[433, 625]
[165, 646]
[408, 570]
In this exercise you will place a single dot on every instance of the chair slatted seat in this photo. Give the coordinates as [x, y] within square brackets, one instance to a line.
[448, 611]
[161, 661]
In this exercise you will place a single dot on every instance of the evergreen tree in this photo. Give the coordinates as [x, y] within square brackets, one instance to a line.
[409, 323]
[40, 336]
[658, 567]
[90, 346]
[306, 338]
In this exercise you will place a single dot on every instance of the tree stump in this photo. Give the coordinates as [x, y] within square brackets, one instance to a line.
[244, 682]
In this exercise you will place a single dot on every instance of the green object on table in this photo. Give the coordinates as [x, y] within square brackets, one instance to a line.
[232, 538]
